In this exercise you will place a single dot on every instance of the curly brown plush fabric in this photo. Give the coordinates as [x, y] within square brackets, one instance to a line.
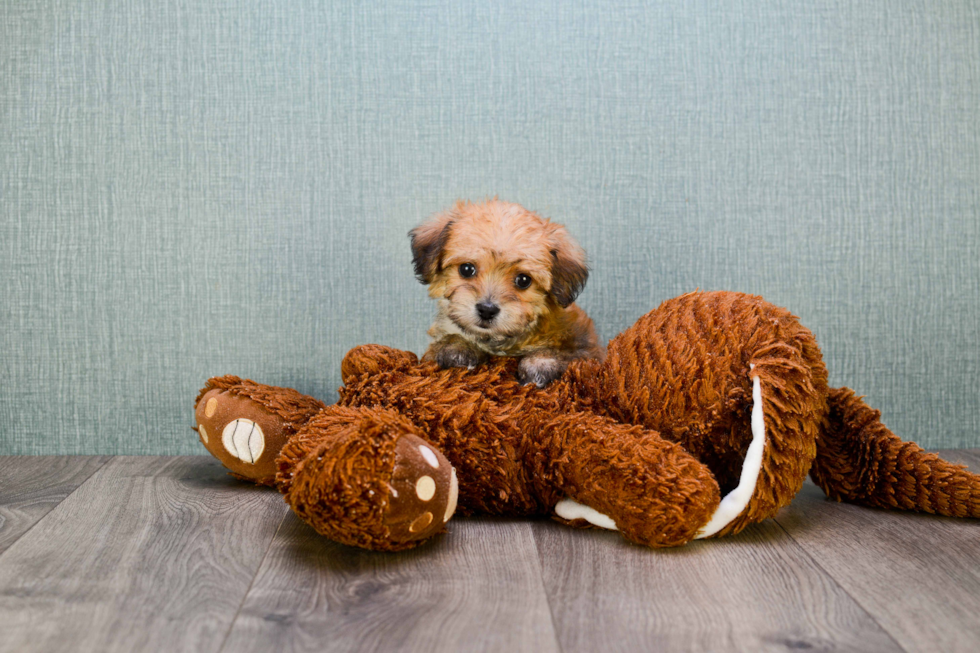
[860, 461]
[650, 440]
[336, 475]
[685, 370]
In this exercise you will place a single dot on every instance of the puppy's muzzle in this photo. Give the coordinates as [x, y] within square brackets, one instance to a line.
[487, 311]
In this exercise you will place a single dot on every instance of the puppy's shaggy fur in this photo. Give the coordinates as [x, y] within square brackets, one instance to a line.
[505, 280]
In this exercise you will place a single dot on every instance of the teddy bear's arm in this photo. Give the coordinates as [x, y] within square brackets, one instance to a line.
[654, 492]
[245, 424]
[363, 476]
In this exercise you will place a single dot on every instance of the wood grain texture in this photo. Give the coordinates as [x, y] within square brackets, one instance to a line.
[171, 554]
[30, 487]
[917, 575]
[477, 588]
[757, 591]
[149, 554]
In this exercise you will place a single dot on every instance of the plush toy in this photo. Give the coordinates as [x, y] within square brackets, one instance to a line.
[705, 417]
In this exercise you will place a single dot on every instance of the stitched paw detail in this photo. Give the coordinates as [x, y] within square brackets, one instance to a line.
[243, 439]
[241, 433]
[424, 491]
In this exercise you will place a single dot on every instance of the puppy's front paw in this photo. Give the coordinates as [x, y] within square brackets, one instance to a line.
[539, 370]
[453, 351]
[457, 356]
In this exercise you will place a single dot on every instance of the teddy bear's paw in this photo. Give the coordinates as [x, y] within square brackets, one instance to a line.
[240, 433]
[363, 477]
[423, 491]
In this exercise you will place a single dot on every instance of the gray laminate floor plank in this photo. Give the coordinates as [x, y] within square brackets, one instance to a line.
[477, 588]
[917, 575]
[172, 554]
[148, 554]
[31, 486]
[757, 591]
[968, 457]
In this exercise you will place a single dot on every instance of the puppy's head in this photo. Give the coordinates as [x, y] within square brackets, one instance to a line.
[496, 267]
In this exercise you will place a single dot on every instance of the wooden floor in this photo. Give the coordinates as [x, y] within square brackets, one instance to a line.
[171, 554]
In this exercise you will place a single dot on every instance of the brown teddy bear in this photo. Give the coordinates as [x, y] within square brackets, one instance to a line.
[705, 417]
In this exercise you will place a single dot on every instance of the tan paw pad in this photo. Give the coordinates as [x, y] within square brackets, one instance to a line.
[243, 439]
[240, 432]
[430, 456]
[425, 488]
[453, 497]
[421, 522]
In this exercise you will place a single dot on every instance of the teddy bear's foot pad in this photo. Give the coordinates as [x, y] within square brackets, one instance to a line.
[243, 439]
[240, 433]
[423, 491]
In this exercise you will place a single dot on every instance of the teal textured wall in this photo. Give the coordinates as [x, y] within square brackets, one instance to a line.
[224, 186]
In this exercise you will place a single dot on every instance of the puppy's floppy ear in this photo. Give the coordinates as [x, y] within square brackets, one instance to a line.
[428, 242]
[569, 271]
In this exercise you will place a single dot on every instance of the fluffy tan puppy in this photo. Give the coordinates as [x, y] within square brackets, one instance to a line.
[505, 280]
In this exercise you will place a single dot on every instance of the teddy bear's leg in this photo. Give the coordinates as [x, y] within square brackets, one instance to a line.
[860, 460]
[620, 476]
[735, 502]
[364, 477]
[245, 424]
[715, 371]
[778, 435]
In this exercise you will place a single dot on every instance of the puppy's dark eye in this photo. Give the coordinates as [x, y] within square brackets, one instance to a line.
[467, 270]
[522, 281]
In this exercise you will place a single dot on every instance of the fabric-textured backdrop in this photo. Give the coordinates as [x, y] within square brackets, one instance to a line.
[225, 186]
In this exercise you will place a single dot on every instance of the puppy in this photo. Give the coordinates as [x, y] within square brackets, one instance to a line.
[505, 280]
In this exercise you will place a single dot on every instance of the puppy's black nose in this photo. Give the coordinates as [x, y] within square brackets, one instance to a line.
[487, 311]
